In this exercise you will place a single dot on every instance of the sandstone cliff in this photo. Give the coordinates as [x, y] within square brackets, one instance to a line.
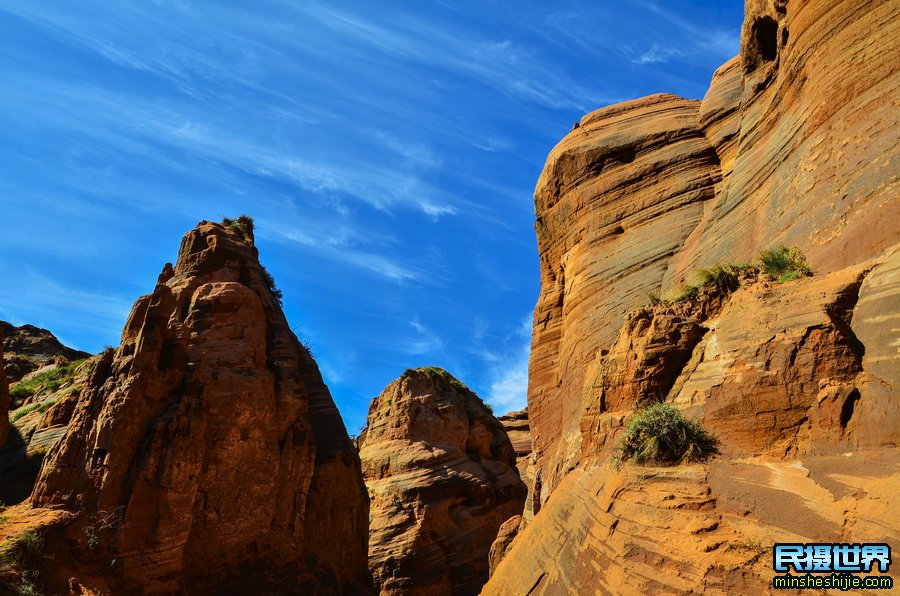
[205, 453]
[29, 348]
[442, 478]
[795, 143]
[777, 372]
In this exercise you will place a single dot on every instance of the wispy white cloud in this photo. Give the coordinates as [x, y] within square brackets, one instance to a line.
[508, 386]
[427, 340]
[655, 55]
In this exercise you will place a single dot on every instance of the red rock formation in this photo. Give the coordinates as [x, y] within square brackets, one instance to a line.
[205, 454]
[505, 536]
[794, 143]
[442, 479]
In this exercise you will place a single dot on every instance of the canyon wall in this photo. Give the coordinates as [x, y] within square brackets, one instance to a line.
[795, 143]
[205, 453]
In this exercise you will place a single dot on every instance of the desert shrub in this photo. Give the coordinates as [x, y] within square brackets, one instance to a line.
[243, 226]
[26, 545]
[436, 372]
[784, 264]
[724, 276]
[684, 292]
[270, 283]
[660, 434]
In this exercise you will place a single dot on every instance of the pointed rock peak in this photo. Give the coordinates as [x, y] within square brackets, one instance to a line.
[206, 453]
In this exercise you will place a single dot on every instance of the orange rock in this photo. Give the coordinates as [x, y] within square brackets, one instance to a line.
[505, 536]
[618, 196]
[516, 426]
[698, 528]
[442, 478]
[205, 453]
[794, 143]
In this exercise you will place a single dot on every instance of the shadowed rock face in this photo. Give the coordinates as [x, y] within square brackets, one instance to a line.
[442, 478]
[794, 143]
[205, 454]
[516, 426]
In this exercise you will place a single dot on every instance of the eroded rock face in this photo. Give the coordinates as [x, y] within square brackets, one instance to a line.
[28, 348]
[516, 426]
[442, 478]
[794, 143]
[619, 195]
[698, 528]
[808, 438]
[205, 453]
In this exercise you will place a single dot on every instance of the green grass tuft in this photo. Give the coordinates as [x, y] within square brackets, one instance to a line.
[660, 434]
[436, 372]
[41, 406]
[784, 264]
[44, 382]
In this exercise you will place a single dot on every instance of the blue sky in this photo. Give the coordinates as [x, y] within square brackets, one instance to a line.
[387, 150]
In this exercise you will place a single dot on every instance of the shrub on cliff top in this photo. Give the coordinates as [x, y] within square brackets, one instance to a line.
[243, 225]
[660, 434]
[784, 264]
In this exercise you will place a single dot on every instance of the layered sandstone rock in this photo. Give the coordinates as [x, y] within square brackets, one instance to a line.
[809, 442]
[618, 196]
[205, 454]
[794, 143]
[442, 478]
[516, 426]
[29, 348]
[699, 528]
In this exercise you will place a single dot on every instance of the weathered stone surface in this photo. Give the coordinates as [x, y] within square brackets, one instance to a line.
[28, 348]
[794, 143]
[777, 370]
[205, 453]
[618, 196]
[699, 528]
[442, 479]
[505, 536]
[876, 323]
[516, 426]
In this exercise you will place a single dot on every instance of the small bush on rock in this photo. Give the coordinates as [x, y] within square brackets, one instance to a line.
[784, 264]
[243, 225]
[660, 434]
